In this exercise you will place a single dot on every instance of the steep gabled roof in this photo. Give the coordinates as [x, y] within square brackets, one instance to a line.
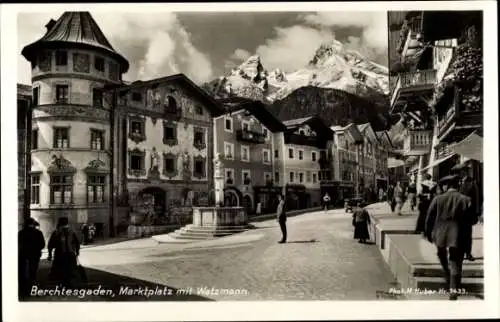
[353, 131]
[213, 106]
[297, 122]
[257, 109]
[383, 136]
[367, 129]
[76, 28]
[315, 122]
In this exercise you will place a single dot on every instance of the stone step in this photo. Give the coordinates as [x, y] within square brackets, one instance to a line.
[210, 231]
[435, 270]
[239, 228]
[191, 237]
[202, 233]
[473, 285]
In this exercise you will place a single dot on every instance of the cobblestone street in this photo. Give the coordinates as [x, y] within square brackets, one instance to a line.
[321, 261]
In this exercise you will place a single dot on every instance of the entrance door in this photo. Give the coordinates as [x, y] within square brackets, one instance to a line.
[247, 203]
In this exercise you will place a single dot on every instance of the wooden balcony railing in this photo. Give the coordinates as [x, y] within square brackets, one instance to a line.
[301, 140]
[250, 136]
[419, 80]
[417, 141]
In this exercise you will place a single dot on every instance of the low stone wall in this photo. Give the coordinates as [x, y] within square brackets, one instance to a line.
[219, 216]
[147, 231]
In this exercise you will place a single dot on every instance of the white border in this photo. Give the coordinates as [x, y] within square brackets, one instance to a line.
[223, 311]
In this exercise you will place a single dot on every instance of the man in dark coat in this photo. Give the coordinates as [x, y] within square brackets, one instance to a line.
[468, 187]
[30, 245]
[281, 217]
[66, 246]
[390, 197]
[427, 194]
[447, 220]
[360, 221]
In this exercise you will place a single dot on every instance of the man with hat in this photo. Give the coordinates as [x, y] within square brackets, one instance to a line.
[469, 188]
[447, 220]
[30, 245]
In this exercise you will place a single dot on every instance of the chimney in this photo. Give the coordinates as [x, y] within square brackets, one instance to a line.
[50, 24]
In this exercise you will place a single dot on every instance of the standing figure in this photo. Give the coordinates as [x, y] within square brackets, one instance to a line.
[30, 246]
[390, 197]
[380, 194]
[429, 188]
[398, 198]
[412, 195]
[66, 248]
[281, 217]
[447, 220]
[468, 187]
[326, 201]
[360, 221]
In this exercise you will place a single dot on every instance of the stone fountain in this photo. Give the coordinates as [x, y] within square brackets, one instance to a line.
[211, 222]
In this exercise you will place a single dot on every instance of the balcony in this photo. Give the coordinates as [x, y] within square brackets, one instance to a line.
[173, 113]
[408, 84]
[250, 136]
[299, 139]
[414, 38]
[417, 142]
[456, 121]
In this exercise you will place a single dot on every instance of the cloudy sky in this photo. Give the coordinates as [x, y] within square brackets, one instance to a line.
[207, 45]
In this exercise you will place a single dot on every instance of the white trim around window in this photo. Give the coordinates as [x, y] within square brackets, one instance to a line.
[247, 148]
[228, 118]
[292, 154]
[231, 148]
[248, 173]
[301, 154]
[248, 123]
[264, 151]
[226, 171]
[314, 156]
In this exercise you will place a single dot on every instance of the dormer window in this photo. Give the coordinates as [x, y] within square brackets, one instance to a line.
[61, 58]
[302, 132]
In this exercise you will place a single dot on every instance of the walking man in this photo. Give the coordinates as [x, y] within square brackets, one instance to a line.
[66, 248]
[326, 201]
[31, 243]
[398, 198]
[390, 197]
[446, 224]
[469, 188]
[281, 217]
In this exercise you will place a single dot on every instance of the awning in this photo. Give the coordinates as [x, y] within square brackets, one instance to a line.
[394, 163]
[471, 147]
[438, 161]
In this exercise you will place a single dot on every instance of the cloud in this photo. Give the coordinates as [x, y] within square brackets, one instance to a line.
[240, 54]
[373, 24]
[293, 47]
[155, 44]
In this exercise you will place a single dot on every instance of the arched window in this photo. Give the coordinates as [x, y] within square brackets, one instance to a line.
[171, 104]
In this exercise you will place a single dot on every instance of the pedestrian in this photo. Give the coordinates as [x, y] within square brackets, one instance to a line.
[412, 194]
[380, 194]
[425, 197]
[390, 197]
[281, 217]
[326, 201]
[30, 245]
[447, 217]
[66, 246]
[360, 221]
[469, 187]
[398, 198]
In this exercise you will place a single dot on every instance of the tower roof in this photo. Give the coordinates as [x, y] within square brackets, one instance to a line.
[76, 28]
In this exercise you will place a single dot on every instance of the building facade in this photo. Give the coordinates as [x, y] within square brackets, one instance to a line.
[24, 191]
[165, 127]
[70, 154]
[438, 87]
[307, 160]
[249, 140]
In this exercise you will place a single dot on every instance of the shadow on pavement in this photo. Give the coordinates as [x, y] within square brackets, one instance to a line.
[302, 241]
[105, 286]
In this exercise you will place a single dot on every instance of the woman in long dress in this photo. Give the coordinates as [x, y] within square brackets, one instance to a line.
[360, 221]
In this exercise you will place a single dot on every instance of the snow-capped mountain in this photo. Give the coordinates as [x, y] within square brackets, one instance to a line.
[333, 66]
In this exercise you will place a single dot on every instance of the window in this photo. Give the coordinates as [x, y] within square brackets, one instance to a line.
[277, 177]
[199, 167]
[301, 132]
[95, 188]
[199, 138]
[36, 96]
[245, 153]
[245, 126]
[308, 176]
[97, 98]
[267, 177]
[228, 124]
[97, 140]
[199, 110]
[265, 132]
[245, 177]
[290, 153]
[315, 178]
[301, 177]
[137, 161]
[61, 137]
[169, 164]
[61, 189]
[34, 139]
[62, 93]
[229, 176]
[99, 63]
[137, 127]
[301, 155]
[276, 154]
[292, 175]
[35, 189]
[266, 156]
[137, 97]
[169, 134]
[61, 58]
[313, 156]
[229, 150]
[171, 105]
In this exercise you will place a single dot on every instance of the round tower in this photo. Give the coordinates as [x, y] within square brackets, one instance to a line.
[71, 146]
